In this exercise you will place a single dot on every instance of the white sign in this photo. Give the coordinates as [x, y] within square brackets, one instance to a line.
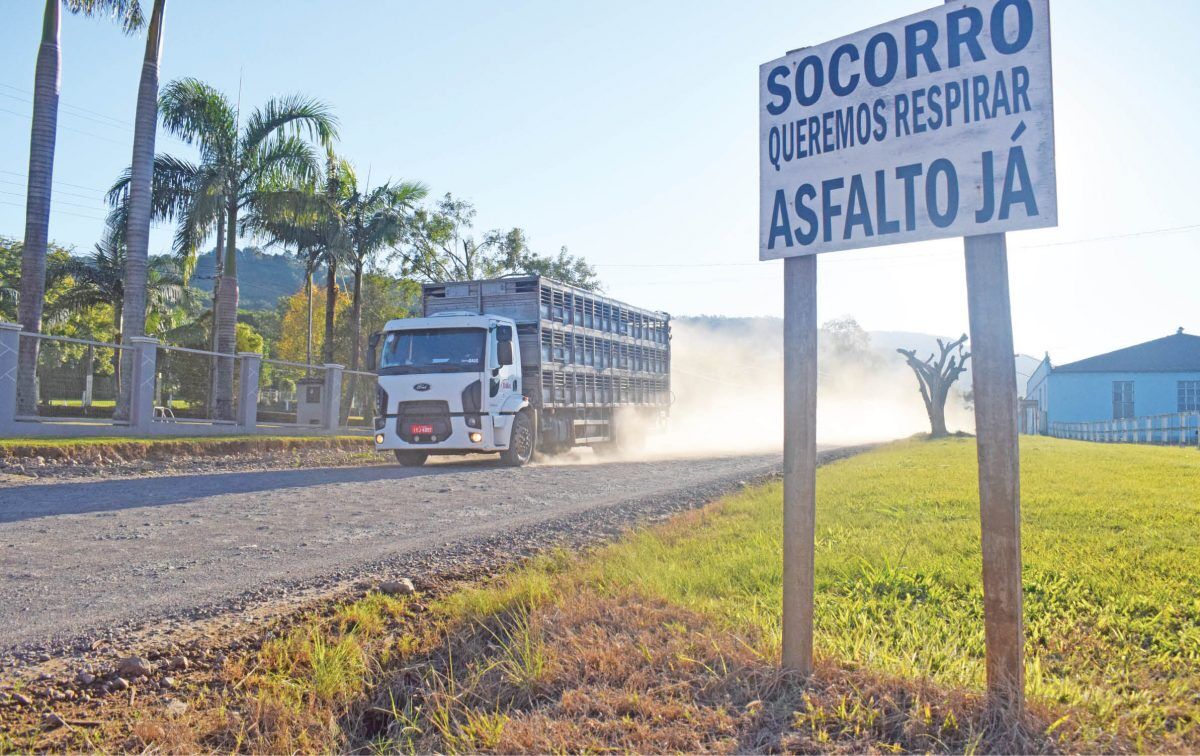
[939, 124]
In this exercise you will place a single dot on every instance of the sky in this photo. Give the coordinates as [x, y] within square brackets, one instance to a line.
[628, 132]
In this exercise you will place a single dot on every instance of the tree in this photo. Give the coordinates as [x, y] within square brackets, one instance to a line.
[256, 165]
[438, 246]
[936, 375]
[294, 330]
[137, 231]
[376, 218]
[43, 133]
[99, 279]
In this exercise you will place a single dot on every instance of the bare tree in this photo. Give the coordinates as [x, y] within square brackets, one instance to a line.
[936, 375]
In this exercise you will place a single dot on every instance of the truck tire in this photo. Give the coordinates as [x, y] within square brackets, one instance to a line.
[521, 443]
[410, 458]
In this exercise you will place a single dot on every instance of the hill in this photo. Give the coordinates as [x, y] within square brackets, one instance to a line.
[262, 277]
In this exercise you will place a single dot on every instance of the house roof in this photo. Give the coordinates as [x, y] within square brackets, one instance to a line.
[1177, 353]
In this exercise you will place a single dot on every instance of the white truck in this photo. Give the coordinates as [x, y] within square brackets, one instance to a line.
[519, 365]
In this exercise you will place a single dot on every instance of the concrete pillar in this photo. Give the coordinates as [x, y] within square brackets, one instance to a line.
[332, 411]
[249, 368]
[10, 344]
[141, 398]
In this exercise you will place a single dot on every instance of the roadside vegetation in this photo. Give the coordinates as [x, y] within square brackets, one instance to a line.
[669, 639]
[161, 448]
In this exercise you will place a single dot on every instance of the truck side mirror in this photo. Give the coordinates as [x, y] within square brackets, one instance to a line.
[503, 334]
[504, 352]
[372, 346]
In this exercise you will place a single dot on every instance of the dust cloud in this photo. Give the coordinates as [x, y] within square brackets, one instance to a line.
[727, 383]
[727, 379]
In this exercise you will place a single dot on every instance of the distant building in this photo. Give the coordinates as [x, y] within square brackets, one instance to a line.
[1157, 378]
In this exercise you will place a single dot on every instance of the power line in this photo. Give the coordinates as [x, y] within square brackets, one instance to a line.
[60, 183]
[56, 210]
[81, 195]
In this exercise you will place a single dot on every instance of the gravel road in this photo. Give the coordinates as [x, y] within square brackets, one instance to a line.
[95, 559]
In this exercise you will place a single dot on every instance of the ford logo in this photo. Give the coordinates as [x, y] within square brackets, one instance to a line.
[421, 387]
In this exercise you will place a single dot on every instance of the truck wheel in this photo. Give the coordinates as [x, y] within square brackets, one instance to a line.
[521, 443]
[410, 458]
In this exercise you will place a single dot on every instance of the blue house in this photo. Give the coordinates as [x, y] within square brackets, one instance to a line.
[1153, 379]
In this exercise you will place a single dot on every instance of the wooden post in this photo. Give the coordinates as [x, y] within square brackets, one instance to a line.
[995, 385]
[799, 459]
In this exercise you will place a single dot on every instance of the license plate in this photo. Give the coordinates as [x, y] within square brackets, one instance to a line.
[420, 430]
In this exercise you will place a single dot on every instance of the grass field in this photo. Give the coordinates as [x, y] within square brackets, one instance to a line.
[669, 639]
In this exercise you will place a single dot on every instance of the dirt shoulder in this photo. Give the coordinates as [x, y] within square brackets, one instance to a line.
[23, 460]
[82, 686]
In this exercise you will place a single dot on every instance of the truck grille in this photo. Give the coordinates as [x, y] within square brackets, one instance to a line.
[435, 414]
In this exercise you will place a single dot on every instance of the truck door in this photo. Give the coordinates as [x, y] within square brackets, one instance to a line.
[504, 380]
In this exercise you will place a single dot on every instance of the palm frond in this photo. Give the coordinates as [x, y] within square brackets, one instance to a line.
[198, 113]
[294, 112]
[128, 12]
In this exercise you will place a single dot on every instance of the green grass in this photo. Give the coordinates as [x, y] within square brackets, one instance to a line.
[583, 652]
[1111, 539]
[55, 441]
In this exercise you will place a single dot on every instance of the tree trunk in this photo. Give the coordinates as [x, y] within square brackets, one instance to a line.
[937, 419]
[356, 314]
[356, 340]
[330, 307]
[218, 267]
[308, 344]
[37, 205]
[137, 230]
[226, 324]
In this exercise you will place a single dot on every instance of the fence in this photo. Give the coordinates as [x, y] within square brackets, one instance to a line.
[76, 379]
[186, 385]
[357, 405]
[1176, 428]
[76, 389]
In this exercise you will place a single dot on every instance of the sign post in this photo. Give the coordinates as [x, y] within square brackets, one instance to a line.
[799, 459]
[995, 385]
[936, 125]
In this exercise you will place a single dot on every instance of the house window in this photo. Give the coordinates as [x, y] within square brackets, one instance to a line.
[1189, 396]
[1122, 399]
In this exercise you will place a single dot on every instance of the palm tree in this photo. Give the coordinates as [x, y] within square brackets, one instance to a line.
[255, 167]
[99, 279]
[137, 229]
[376, 219]
[42, 137]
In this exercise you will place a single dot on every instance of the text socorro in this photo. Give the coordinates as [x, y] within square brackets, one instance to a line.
[879, 62]
[859, 202]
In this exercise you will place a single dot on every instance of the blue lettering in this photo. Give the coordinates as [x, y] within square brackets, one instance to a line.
[856, 209]
[941, 166]
[1024, 26]
[923, 49]
[807, 215]
[829, 209]
[808, 98]
[957, 37]
[779, 90]
[780, 221]
[1017, 171]
[835, 83]
[890, 61]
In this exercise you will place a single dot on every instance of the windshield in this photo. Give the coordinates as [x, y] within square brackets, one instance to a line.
[434, 350]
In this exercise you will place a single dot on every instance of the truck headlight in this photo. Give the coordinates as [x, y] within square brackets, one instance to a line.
[379, 438]
[476, 437]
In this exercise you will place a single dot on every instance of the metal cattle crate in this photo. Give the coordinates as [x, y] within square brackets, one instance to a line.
[579, 349]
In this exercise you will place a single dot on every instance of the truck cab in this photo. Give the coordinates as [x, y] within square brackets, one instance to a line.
[451, 384]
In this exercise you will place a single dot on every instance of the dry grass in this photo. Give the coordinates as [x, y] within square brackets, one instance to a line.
[592, 673]
[669, 641]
